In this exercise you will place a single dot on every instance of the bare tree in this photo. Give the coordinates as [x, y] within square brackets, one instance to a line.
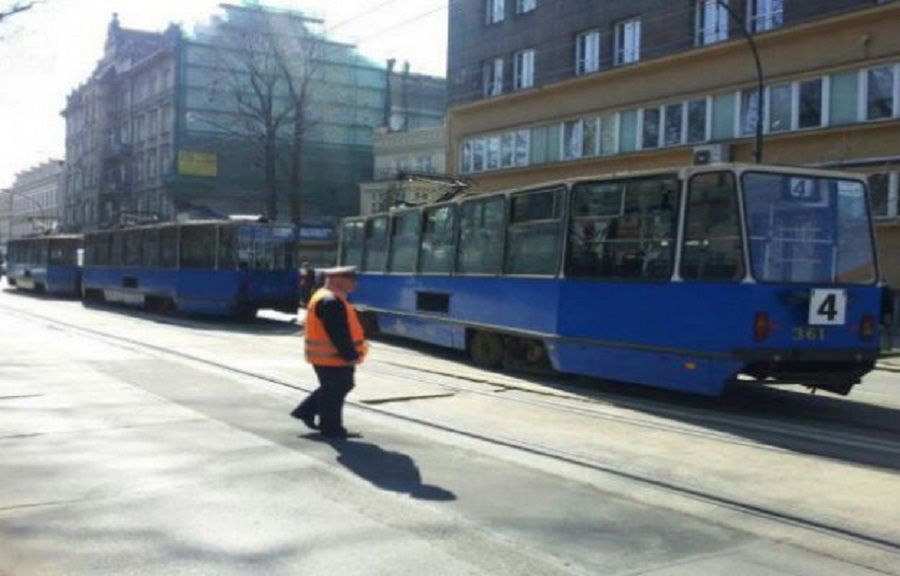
[15, 9]
[266, 63]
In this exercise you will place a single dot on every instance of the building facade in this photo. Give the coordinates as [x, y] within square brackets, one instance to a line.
[420, 153]
[33, 205]
[542, 90]
[171, 125]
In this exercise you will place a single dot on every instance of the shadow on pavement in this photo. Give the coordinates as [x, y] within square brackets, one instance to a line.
[390, 471]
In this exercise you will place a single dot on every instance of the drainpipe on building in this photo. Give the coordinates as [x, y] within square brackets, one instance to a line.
[760, 80]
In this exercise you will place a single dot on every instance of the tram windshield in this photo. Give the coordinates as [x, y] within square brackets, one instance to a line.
[808, 229]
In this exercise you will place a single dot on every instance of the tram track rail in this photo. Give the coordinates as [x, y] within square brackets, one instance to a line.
[572, 458]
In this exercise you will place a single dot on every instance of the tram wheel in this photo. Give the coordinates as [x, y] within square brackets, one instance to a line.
[486, 349]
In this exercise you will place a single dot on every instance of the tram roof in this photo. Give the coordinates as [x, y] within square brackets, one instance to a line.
[681, 171]
[206, 222]
[48, 237]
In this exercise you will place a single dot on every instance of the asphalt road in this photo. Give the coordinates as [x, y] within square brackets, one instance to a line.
[138, 444]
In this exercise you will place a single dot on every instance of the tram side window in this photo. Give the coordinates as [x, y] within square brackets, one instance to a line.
[101, 249]
[150, 249]
[438, 241]
[227, 248]
[405, 242]
[352, 243]
[712, 248]
[168, 247]
[623, 229]
[198, 247]
[481, 236]
[533, 233]
[375, 257]
[115, 249]
[63, 252]
[132, 242]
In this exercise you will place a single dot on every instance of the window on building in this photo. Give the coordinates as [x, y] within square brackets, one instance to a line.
[438, 240]
[587, 52]
[880, 89]
[376, 230]
[884, 194]
[606, 135]
[674, 129]
[579, 138]
[492, 77]
[405, 236]
[843, 98]
[478, 155]
[523, 70]
[651, 128]
[493, 153]
[495, 11]
[525, 6]
[628, 131]
[532, 238]
[713, 247]
[712, 22]
[623, 229]
[810, 113]
[697, 121]
[522, 152]
[481, 226]
[750, 112]
[765, 14]
[628, 41]
[781, 107]
[507, 144]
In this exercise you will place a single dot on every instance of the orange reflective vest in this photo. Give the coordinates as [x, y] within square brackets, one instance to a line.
[319, 349]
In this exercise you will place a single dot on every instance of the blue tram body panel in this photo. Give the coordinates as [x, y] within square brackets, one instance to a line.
[692, 337]
[53, 280]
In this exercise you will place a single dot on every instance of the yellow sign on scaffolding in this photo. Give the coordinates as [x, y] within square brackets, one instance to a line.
[198, 164]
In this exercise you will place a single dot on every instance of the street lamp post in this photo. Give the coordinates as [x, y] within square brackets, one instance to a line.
[760, 84]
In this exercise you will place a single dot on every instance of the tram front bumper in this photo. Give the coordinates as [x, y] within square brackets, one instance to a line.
[836, 370]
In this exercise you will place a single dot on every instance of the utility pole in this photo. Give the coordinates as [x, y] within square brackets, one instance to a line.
[760, 80]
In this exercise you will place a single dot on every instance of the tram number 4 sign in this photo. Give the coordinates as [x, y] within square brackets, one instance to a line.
[827, 307]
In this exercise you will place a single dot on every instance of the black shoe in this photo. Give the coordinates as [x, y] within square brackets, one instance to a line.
[310, 421]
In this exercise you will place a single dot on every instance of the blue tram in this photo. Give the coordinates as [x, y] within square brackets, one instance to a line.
[45, 264]
[217, 268]
[682, 279]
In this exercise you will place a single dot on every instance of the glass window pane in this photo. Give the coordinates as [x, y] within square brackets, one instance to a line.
[198, 247]
[811, 103]
[438, 241]
[749, 112]
[168, 247]
[481, 236]
[623, 229]
[844, 98]
[712, 234]
[405, 242]
[376, 244]
[607, 134]
[150, 249]
[879, 194]
[628, 131]
[533, 235]
[539, 145]
[808, 230]
[674, 124]
[723, 117]
[352, 243]
[781, 105]
[573, 139]
[880, 102]
[650, 137]
[228, 248]
[696, 121]
[589, 138]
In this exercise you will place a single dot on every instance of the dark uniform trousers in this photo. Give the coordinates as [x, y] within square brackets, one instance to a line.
[335, 382]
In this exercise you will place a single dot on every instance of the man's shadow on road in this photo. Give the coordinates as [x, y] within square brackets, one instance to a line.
[387, 470]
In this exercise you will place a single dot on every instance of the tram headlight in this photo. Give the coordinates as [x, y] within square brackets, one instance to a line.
[762, 327]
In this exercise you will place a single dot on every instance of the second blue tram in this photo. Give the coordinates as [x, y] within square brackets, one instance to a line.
[218, 268]
[45, 264]
[681, 279]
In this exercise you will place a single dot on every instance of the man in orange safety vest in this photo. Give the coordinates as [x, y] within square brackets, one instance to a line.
[335, 344]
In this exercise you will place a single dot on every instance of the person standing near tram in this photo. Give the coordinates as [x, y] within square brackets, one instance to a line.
[335, 344]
